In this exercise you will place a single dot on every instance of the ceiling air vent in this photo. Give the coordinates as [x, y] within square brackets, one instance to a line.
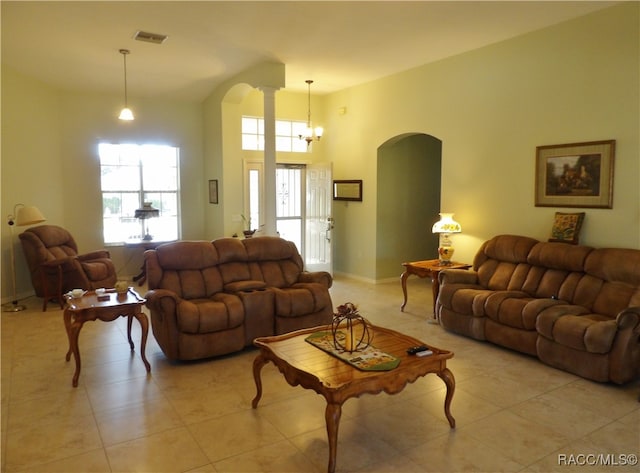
[150, 37]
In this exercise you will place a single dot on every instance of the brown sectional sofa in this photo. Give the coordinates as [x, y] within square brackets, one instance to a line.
[575, 307]
[212, 298]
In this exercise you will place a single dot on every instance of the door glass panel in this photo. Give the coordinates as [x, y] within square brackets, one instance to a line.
[289, 191]
[254, 199]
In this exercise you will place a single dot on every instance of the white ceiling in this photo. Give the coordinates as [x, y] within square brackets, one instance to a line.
[337, 44]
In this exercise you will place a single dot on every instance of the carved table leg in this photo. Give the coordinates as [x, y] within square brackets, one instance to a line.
[332, 418]
[435, 289]
[67, 325]
[74, 332]
[129, 323]
[144, 324]
[449, 380]
[403, 280]
[258, 363]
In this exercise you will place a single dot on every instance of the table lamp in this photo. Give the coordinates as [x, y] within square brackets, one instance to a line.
[445, 227]
[144, 213]
[22, 215]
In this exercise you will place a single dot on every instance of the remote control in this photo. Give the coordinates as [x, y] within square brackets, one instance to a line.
[417, 349]
[424, 353]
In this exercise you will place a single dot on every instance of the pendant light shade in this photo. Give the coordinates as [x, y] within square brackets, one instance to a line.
[125, 114]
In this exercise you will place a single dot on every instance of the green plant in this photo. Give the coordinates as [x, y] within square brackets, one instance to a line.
[247, 221]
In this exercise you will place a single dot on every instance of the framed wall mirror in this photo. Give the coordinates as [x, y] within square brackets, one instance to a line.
[347, 190]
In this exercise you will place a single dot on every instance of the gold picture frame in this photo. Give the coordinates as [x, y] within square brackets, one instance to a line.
[349, 189]
[575, 175]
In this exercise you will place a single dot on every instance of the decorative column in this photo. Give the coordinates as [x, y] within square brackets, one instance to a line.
[269, 160]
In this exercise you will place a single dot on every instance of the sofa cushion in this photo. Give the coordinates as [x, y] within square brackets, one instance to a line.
[244, 286]
[192, 283]
[558, 256]
[509, 248]
[619, 269]
[221, 312]
[464, 298]
[508, 308]
[230, 249]
[300, 299]
[280, 273]
[98, 270]
[593, 333]
[186, 254]
[270, 248]
[274, 260]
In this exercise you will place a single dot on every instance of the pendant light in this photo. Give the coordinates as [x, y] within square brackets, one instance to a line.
[310, 133]
[125, 114]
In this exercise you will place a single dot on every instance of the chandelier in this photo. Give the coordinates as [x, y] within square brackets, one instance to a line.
[310, 133]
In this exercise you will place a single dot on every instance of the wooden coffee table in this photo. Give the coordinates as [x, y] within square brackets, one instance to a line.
[312, 368]
[90, 307]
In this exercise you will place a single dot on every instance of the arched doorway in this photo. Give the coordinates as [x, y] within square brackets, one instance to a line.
[408, 201]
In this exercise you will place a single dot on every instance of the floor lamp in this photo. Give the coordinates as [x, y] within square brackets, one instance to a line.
[22, 215]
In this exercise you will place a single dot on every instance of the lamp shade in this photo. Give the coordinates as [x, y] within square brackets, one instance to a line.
[28, 215]
[146, 211]
[446, 224]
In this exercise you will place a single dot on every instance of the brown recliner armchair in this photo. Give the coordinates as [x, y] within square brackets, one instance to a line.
[56, 267]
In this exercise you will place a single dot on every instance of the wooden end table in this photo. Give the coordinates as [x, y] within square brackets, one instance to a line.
[89, 307]
[428, 268]
[141, 277]
[304, 364]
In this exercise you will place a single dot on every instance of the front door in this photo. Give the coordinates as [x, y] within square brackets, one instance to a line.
[303, 208]
[319, 222]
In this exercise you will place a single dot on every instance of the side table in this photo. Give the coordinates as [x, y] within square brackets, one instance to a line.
[106, 308]
[141, 277]
[428, 268]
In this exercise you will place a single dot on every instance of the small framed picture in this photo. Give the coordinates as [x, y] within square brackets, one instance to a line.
[213, 191]
[347, 190]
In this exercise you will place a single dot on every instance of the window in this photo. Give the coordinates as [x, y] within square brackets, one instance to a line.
[132, 175]
[287, 135]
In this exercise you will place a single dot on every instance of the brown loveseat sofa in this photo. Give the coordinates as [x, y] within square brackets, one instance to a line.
[574, 307]
[213, 298]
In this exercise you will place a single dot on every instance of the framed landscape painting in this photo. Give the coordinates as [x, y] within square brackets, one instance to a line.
[575, 175]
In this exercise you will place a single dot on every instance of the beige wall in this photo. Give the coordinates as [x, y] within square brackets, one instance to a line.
[574, 82]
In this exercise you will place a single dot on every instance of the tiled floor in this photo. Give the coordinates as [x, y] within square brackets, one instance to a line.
[513, 413]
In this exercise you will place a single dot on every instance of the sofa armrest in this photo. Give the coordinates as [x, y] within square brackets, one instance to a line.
[61, 265]
[54, 263]
[321, 277]
[98, 254]
[158, 298]
[629, 318]
[457, 276]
